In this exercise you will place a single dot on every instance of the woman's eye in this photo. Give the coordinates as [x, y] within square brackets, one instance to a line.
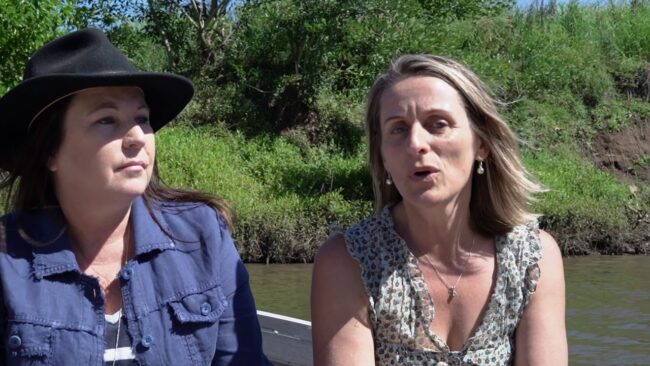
[106, 121]
[397, 130]
[438, 125]
[143, 120]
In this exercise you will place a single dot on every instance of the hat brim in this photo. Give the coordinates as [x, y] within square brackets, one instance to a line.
[166, 95]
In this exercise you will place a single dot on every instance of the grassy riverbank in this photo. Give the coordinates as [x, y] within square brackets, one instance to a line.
[571, 77]
[286, 195]
[276, 124]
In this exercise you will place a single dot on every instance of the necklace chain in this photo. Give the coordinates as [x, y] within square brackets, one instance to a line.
[126, 258]
[119, 318]
[36, 243]
[453, 292]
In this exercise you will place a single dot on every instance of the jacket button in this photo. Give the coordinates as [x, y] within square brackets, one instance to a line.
[146, 341]
[206, 309]
[127, 273]
[15, 341]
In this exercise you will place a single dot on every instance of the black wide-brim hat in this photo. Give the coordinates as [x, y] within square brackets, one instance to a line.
[77, 61]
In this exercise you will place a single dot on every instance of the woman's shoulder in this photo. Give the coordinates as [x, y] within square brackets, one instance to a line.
[527, 252]
[333, 253]
[528, 239]
[336, 271]
[182, 222]
[371, 245]
[344, 245]
[371, 229]
[522, 239]
[41, 225]
[196, 214]
[551, 253]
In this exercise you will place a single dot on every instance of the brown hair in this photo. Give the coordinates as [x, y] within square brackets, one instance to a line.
[34, 186]
[501, 197]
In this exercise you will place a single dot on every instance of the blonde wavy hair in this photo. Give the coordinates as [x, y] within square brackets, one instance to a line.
[501, 197]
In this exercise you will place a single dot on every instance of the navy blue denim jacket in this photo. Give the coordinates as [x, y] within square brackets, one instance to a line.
[186, 296]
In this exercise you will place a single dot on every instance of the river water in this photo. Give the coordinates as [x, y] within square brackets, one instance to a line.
[608, 305]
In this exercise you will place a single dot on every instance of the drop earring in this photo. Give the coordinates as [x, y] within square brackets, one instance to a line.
[389, 181]
[480, 170]
[50, 165]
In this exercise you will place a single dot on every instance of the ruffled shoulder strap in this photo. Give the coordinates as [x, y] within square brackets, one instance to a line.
[525, 248]
[369, 242]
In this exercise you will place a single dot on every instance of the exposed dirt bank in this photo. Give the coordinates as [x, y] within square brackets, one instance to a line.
[625, 153]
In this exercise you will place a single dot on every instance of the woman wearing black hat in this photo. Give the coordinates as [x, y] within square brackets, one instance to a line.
[100, 262]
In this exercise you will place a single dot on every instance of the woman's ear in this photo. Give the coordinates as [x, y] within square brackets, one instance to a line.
[483, 150]
[51, 163]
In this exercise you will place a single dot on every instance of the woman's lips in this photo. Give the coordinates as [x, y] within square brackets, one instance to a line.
[425, 174]
[133, 166]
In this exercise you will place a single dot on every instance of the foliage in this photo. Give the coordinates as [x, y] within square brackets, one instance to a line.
[566, 72]
[284, 198]
[616, 114]
[586, 207]
[281, 84]
[104, 14]
[642, 161]
[460, 9]
[194, 33]
[289, 53]
[578, 191]
[26, 25]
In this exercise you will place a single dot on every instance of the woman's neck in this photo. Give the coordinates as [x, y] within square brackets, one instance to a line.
[98, 234]
[441, 231]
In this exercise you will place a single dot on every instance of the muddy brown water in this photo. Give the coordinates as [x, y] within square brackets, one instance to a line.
[608, 304]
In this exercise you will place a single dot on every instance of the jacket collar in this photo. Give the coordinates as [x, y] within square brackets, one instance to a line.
[46, 232]
[148, 234]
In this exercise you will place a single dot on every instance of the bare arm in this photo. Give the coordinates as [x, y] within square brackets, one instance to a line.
[341, 328]
[541, 334]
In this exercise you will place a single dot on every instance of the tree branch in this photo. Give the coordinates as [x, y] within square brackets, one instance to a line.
[189, 17]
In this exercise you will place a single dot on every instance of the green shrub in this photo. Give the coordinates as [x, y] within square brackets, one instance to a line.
[276, 125]
[550, 121]
[284, 199]
[615, 114]
[27, 25]
[585, 205]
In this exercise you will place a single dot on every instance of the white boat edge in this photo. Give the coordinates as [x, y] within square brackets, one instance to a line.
[286, 340]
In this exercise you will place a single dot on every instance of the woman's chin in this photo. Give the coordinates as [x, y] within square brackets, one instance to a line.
[130, 190]
[426, 199]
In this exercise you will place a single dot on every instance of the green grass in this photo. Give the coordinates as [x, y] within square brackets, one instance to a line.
[642, 162]
[564, 76]
[284, 197]
[580, 195]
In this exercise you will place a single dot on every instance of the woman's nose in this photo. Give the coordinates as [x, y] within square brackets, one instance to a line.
[134, 137]
[418, 139]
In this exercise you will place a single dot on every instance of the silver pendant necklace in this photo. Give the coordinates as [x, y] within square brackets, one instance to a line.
[453, 292]
[108, 283]
[119, 319]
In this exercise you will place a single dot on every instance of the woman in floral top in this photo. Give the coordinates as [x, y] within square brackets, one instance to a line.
[452, 269]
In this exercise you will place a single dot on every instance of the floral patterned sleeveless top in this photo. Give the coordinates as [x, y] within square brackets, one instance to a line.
[401, 308]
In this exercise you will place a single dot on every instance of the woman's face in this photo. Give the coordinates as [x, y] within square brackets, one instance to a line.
[108, 148]
[427, 143]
